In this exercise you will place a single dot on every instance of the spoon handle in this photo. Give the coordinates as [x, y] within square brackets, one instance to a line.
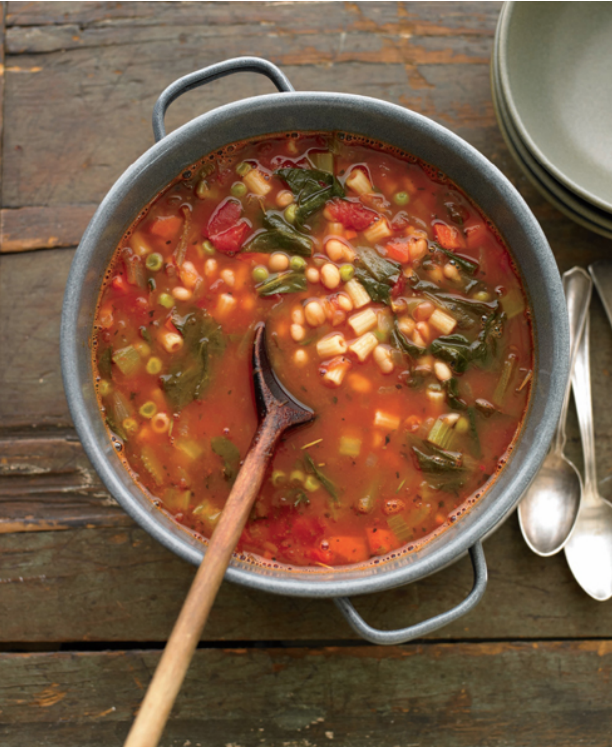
[578, 287]
[163, 689]
[581, 382]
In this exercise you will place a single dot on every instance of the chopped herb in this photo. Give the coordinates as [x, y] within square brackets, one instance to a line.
[313, 443]
[228, 451]
[325, 481]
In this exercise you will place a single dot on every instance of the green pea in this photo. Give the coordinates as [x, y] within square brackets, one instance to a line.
[401, 198]
[346, 272]
[290, 213]
[154, 262]
[208, 248]
[165, 299]
[238, 189]
[243, 168]
[297, 263]
[148, 410]
[154, 365]
[260, 273]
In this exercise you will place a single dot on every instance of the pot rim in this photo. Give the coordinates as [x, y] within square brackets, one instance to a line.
[487, 513]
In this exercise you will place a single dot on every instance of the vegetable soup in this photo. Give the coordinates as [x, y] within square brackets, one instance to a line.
[392, 309]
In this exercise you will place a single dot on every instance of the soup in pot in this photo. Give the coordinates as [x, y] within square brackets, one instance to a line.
[392, 309]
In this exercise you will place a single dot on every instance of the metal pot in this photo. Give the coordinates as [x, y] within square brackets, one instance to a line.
[474, 174]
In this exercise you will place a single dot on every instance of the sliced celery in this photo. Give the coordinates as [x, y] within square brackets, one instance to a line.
[151, 464]
[323, 162]
[441, 434]
[191, 449]
[504, 380]
[176, 499]
[513, 303]
[127, 360]
[400, 529]
[350, 446]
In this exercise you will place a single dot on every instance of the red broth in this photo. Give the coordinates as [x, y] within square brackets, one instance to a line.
[392, 309]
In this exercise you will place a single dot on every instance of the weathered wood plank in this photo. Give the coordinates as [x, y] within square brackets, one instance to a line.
[28, 228]
[31, 292]
[424, 17]
[48, 483]
[119, 584]
[502, 694]
[98, 122]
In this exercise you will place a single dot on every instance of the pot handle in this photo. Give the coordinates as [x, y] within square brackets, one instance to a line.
[394, 637]
[208, 74]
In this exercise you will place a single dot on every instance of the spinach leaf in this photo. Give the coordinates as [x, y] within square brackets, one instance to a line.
[378, 292]
[399, 341]
[283, 282]
[312, 187]
[439, 461]
[452, 390]
[192, 371]
[463, 263]
[279, 236]
[228, 451]
[378, 267]
[325, 481]
[458, 352]
[376, 274]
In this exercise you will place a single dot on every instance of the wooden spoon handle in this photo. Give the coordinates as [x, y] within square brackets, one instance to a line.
[159, 699]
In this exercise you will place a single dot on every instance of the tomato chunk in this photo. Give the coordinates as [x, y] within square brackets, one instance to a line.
[399, 250]
[449, 237]
[230, 241]
[225, 216]
[351, 214]
[380, 541]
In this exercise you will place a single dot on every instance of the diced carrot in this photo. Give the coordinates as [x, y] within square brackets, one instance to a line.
[449, 237]
[399, 250]
[166, 226]
[380, 541]
[349, 549]
[119, 283]
[350, 234]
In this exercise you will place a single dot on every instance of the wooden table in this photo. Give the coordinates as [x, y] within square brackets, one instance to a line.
[87, 599]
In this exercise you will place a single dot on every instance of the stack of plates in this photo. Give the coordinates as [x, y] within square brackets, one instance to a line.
[551, 76]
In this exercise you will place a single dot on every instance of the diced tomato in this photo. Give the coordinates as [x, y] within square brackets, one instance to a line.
[399, 250]
[380, 541]
[351, 214]
[398, 287]
[230, 241]
[225, 216]
[449, 237]
[119, 283]
[166, 226]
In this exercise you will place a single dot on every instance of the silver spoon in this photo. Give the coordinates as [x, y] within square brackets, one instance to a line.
[549, 508]
[589, 549]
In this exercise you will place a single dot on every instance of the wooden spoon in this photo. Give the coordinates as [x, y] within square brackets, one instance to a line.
[277, 411]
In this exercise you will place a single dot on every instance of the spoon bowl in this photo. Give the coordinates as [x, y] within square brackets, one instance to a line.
[589, 549]
[549, 508]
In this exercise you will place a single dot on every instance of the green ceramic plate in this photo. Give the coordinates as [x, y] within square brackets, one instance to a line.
[555, 67]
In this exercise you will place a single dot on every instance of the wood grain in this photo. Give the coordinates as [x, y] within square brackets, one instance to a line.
[28, 228]
[493, 694]
[117, 584]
